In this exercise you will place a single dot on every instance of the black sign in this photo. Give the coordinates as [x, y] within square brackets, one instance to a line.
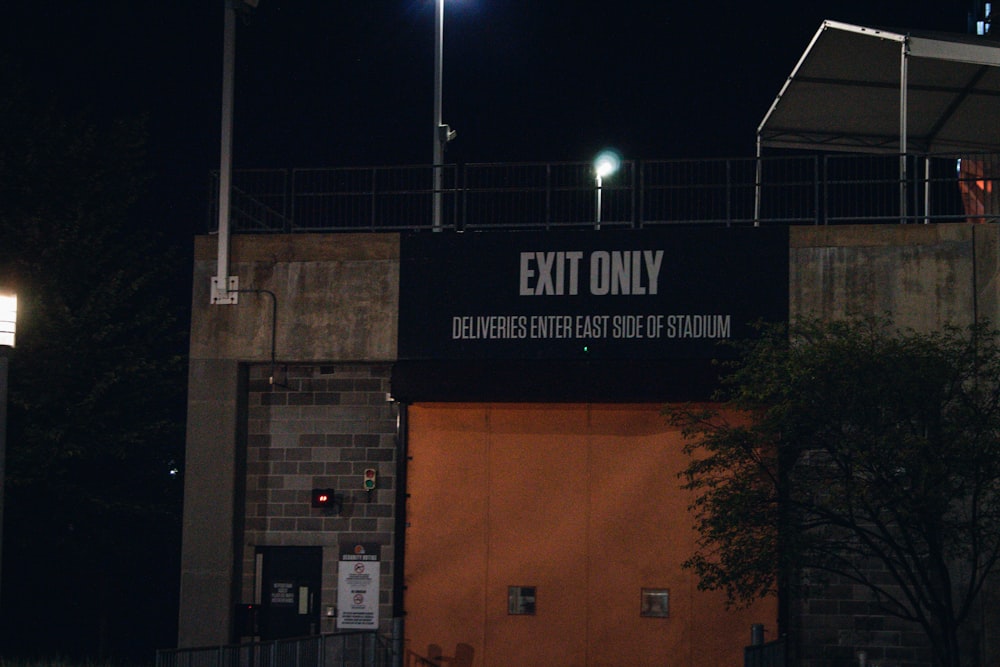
[663, 293]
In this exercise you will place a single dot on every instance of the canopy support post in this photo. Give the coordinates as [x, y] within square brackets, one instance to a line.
[903, 76]
[927, 189]
[756, 187]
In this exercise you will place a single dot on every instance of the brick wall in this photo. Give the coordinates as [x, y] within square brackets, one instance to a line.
[320, 426]
[837, 620]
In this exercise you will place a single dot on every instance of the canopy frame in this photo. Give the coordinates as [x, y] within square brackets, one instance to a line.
[838, 97]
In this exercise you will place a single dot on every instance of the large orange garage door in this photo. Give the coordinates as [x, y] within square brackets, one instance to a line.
[535, 531]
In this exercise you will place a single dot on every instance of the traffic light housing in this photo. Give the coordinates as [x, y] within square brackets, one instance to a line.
[370, 477]
[324, 499]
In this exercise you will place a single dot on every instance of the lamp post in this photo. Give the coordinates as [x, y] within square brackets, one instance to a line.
[605, 164]
[8, 325]
[223, 288]
[442, 132]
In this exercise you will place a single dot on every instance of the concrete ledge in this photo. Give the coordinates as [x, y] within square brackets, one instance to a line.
[301, 247]
[842, 236]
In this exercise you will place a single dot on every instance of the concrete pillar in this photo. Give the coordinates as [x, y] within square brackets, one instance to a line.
[212, 491]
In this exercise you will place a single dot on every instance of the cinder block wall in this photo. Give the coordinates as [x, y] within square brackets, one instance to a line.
[834, 623]
[320, 428]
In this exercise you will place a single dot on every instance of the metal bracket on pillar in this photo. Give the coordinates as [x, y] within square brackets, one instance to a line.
[228, 295]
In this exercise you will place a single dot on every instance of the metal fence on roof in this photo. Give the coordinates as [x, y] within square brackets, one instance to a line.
[787, 190]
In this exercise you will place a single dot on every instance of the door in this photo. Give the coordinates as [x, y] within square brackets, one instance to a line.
[290, 584]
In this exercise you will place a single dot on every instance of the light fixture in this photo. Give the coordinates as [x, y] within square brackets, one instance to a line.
[8, 319]
[606, 163]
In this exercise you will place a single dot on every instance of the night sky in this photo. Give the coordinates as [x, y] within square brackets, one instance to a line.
[338, 83]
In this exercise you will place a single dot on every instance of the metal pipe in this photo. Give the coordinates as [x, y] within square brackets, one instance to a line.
[399, 538]
[599, 182]
[756, 634]
[274, 326]
[927, 189]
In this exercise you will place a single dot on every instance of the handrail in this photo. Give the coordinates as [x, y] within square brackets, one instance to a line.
[825, 189]
[355, 648]
[414, 659]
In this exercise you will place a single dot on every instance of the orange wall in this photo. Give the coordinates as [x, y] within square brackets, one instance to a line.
[582, 502]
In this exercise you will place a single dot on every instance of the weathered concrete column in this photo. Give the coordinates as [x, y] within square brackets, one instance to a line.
[212, 475]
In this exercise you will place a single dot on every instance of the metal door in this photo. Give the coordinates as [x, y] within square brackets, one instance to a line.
[290, 584]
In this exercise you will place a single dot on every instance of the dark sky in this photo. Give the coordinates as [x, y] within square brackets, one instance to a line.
[340, 83]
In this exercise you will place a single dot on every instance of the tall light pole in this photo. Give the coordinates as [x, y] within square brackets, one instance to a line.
[8, 326]
[442, 133]
[223, 286]
[605, 164]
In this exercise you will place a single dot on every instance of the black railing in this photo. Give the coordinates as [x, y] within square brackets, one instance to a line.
[416, 660]
[771, 654]
[790, 190]
[342, 649]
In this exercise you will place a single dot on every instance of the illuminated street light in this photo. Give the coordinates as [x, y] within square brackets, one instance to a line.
[8, 327]
[606, 163]
[442, 133]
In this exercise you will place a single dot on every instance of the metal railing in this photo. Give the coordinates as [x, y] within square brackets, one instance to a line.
[414, 659]
[342, 649]
[789, 190]
[771, 654]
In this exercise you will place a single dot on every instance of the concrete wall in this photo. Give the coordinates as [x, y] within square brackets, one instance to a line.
[337, 303]
[337, 298]
[209, 540]
[924, 275]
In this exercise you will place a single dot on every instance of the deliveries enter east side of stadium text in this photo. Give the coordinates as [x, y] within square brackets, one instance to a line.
[590, 327]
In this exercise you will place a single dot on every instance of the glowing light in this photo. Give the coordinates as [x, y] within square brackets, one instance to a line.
[8, 319]
[606, 163]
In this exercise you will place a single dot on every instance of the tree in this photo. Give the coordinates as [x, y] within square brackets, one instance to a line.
[850, 444]
[97, 382]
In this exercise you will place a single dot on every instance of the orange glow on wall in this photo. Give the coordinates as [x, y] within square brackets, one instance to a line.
[581, 502]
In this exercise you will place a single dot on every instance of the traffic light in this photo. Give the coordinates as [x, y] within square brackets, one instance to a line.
[324, 498]
[369, 479]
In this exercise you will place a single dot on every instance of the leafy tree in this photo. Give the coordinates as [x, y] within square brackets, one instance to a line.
[96, 388]
[843, 445]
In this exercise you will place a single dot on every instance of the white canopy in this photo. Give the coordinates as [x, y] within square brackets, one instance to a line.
[870, 90]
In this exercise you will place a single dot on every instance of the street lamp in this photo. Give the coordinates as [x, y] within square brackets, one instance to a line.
[606, 163]
[223, 286]
[8, 319]
[442, 133]
[8, 326]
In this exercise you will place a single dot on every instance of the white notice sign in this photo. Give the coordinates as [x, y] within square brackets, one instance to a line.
[357, 592]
